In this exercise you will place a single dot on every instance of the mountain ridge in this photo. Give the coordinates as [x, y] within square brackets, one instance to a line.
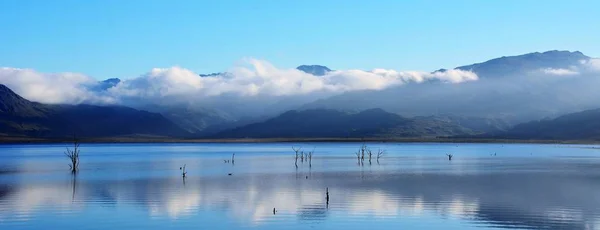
[510, 65]
[512, 94]
[425, 112]
[21, 117]
[323, 123]
[583, 125]
[317, 70]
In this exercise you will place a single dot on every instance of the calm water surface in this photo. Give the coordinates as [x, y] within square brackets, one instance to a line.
[414, 186]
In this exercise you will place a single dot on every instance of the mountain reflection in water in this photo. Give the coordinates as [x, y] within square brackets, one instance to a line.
[474, 192]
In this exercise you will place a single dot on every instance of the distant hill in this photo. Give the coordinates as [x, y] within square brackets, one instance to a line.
[514, 65]
[191, 119]
[583, 125]
[332, 123]
[503, 92]
[109, 83]
[317, 70]
[211, 74]
[19, 116]
[213, 129]
[11, 104]
[476, 124]
[106, 84]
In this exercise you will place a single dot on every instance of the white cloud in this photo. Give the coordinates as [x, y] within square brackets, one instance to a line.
[258, 86]
[261, 78]
[257, 79]
[251, 79]
[51, 88]
[559, 72]
[592, 64]
[174, 81]
[382, 78]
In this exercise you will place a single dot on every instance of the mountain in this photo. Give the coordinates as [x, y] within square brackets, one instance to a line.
[193, 119]
[480, 124]
[476, 124]
[583, 125]
[514, 65]
[106, 84]
[509, 90]
[221, 127]
[19, 116]
[206, 117]
[317, 70]
[332, 123]
[11, 104]
[211, 74]
[109, 83]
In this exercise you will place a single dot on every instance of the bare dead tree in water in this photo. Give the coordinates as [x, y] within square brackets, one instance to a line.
[363, 149]
[449, 156]
[327, 196]
[360, 155]
[370, 153]
[183, 171]
[233, 159]
[297, 151]
[73, 155]
[380, 154]
[310, 154]
[302, 156]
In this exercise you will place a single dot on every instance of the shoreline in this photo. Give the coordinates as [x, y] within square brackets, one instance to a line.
[124, 140]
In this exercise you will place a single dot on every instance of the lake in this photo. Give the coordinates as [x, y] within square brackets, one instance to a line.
[413, 186]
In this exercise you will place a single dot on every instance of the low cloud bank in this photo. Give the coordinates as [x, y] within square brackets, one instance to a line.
[257, 87]
[253, 80]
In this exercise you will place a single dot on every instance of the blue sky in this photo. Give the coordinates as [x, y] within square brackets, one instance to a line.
[125, 38]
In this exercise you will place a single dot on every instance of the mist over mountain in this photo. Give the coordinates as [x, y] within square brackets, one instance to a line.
[255, 83]
[193, 119]
[489, 96]
[316, 70]
[514, 89]
[325, 123]
[517, 65]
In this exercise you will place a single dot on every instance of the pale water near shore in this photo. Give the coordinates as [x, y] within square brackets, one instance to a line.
[139, 186]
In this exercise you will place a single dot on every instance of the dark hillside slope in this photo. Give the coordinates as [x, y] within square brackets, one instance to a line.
[19, 116]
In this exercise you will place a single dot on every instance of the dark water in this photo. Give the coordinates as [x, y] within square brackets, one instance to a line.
[414, 186]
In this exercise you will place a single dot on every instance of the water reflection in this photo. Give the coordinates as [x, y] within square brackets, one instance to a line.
[518, 200]
[466, 193]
